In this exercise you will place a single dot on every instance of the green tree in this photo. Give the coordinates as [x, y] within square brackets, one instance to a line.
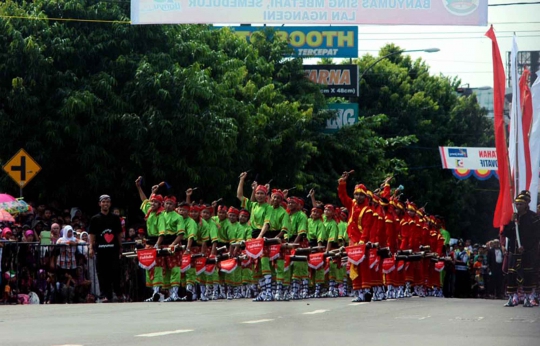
[427, 106]
[97, 104]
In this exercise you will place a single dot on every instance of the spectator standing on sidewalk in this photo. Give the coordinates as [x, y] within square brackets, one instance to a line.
[105, 229]
[495, 262]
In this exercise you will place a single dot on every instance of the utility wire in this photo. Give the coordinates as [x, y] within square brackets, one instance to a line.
[515, 4]
[69, 19]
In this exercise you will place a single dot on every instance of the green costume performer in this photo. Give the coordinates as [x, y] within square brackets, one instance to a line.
[297, 233]
[343, 240]
[155, 226]
[174, 228]
[317, 237]
[332, 231]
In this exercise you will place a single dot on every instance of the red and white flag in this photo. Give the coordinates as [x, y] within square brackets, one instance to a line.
[516, 143]
[503, 211]
[534, 142]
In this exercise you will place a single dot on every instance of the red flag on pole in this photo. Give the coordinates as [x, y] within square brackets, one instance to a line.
[503, 210]
[527, 118]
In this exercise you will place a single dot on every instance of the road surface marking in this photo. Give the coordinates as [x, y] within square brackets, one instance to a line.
[423, 318]
[150, 335]
[68, 345]
[315, 312]
[355, 304]
[256, 321]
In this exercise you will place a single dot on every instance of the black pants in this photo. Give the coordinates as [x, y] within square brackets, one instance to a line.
[522, 272]
[108, 271]
[496, 281]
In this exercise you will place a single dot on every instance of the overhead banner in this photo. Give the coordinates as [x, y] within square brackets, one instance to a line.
[347, 115]
[314, 12]
[339, 80]
[468, 158]
[309, 41]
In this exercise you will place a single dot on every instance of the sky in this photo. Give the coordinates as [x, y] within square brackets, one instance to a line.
[464, 50]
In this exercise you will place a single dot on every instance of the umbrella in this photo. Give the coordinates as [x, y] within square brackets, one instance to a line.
[13, 206]
[4, 197]
[5, 216]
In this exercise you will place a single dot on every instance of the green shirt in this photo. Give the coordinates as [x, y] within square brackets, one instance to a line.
[446, 236]
[45, 237]
[331, 230]
[213, 231]
[191, 228]
[174, 223]
[223, 229]
[245, 231]
[279, 220]
[316, 231]
[235, 232]
[203, 232]
[260, 213]
[155, 224]
[342, 232]
[298, 225]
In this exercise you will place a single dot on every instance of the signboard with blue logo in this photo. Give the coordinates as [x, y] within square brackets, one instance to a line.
[313, 41]
[347, 115]
[468, 158]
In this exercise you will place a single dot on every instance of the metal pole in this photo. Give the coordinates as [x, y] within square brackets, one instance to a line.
[516, 160]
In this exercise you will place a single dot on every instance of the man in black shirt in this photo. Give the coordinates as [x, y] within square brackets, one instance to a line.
[105, 242]
[523, 258]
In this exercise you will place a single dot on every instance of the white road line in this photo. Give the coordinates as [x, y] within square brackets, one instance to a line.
[423, 318]
[315, 312]
[256, 321]
[178, 331]
[68, 345]
[355, 304]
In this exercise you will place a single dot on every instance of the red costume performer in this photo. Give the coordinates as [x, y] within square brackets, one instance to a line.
[358, 227]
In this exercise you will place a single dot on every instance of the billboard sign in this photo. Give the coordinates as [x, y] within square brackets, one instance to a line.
[339, 80]
[313, 41]
[347, 114]
[467, 158]
[311, 12]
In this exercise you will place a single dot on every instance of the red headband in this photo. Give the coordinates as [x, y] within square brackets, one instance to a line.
[222, 208]
[196, 208]
[261, 188]
[171, 199]
[185, 206]
[329, 207]
[278, 193]
[234, 211]
[158, 198]
[245, 212]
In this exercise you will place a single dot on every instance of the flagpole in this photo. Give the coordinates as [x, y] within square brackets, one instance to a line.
[515, 120]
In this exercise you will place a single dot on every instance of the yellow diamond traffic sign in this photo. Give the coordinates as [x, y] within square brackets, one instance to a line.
[22, 168]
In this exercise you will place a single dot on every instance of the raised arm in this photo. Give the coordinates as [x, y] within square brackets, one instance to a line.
[312, 195]
[139, 188]
[240, 189]
[342, 192]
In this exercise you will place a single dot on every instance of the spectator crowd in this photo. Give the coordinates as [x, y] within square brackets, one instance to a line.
[44, 259]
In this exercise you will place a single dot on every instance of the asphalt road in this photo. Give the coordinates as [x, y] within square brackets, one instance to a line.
[314, 322]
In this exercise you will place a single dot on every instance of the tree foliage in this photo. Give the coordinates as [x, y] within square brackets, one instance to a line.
[427, 106]
[98, 104]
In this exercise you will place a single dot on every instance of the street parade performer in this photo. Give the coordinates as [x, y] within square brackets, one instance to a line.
[268, 250]
[523, 233]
